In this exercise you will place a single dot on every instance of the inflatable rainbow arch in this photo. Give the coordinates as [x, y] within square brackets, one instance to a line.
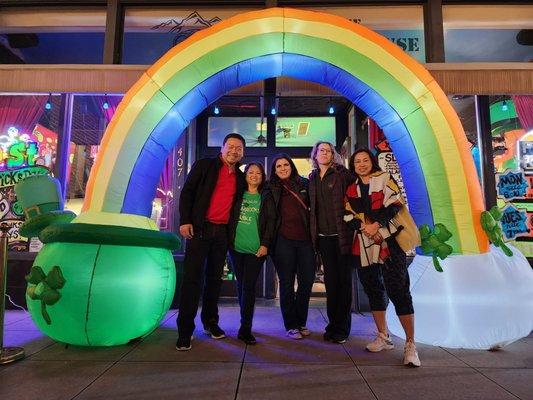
[420, 124]
[481, 300]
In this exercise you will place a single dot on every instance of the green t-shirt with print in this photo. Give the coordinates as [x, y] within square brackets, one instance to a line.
[247, 236]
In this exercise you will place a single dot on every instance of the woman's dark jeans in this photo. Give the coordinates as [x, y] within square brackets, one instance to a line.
[294, 259]
[247, 268]
[338, 269]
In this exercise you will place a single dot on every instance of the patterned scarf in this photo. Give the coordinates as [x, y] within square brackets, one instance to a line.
[383, 192]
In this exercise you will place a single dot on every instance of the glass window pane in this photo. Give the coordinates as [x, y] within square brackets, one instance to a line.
[251, 129]
[304, 166]
[52, 36]
[150, 33]
[465, 107]
[485, 33]
[510, 152]
[29, 130]
[304, 131]
[403, 25]
[90, 116]
[513, 153]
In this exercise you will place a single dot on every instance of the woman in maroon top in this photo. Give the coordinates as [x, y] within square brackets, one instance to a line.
[293, 253]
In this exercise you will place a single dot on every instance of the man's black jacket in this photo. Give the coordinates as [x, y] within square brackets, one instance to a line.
[198, 188]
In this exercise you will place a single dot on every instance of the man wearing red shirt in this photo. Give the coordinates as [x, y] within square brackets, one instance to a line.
[206, 199]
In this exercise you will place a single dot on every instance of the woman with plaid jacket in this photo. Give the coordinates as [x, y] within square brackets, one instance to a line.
[372, 201]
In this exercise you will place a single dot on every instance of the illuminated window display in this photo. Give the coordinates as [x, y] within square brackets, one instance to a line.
[28, 146]
[250, 128]
[304, 131]
[513, 161]
[90, 116]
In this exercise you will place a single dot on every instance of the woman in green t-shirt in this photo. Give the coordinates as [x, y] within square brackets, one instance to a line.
[252, 230]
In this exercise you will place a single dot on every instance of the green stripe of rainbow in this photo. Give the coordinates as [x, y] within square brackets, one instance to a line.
[433, 125]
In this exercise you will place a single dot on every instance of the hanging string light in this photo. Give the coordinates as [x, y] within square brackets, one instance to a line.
[48, 105]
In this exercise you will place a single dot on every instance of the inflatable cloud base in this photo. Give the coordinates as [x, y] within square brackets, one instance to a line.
[480, 301]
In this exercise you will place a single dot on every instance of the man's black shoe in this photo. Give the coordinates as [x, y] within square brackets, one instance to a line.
[338, 339]
[183, 344]
[328, 336]
[247, 337]
[215, 331]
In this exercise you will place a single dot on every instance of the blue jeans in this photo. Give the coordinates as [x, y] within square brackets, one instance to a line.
[294, 259]
[247, 268]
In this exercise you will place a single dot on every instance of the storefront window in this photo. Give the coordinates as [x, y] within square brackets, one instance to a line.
[304, 166]
[513, 161]
[150, 33]
[28, 145]
[403, 25]
[252, 130]
[304, 131]
[52, 36]
[90, 116]
[465, 107]
[487, 33]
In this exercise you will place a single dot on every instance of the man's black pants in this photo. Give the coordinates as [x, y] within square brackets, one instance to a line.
[205, 255]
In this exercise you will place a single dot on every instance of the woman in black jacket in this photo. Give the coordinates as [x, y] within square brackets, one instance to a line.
[252, 230]
[293, 253]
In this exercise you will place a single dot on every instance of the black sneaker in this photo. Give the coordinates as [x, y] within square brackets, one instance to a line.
[328, 336]
[247, 338]
[338, 339]
[183, 344]
[215, 331]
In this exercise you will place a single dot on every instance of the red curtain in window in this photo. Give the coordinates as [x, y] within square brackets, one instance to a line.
[524, 109]
[375, 134]
[22, 112]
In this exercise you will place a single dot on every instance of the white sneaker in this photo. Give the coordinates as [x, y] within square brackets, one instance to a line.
[294, 334]
[304, 331]
[381, 342]
[410, 355]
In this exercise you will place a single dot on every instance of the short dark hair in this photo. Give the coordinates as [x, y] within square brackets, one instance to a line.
[274, 178]
[263, 174]
[234, 135]
[373, 159]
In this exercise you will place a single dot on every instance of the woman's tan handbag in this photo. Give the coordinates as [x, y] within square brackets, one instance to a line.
[408, 237]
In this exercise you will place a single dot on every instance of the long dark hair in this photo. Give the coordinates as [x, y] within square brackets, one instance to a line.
[373, 159]
[263, 174]
[274, 178]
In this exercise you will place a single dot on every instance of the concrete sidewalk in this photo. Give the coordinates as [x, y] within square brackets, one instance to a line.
[276, 368]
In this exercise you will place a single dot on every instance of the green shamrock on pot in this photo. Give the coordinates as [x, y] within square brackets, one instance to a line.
[489, 223]
[45, 287]
[433, 243]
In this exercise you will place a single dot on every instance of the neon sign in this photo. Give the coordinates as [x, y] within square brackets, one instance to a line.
[17, 150]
